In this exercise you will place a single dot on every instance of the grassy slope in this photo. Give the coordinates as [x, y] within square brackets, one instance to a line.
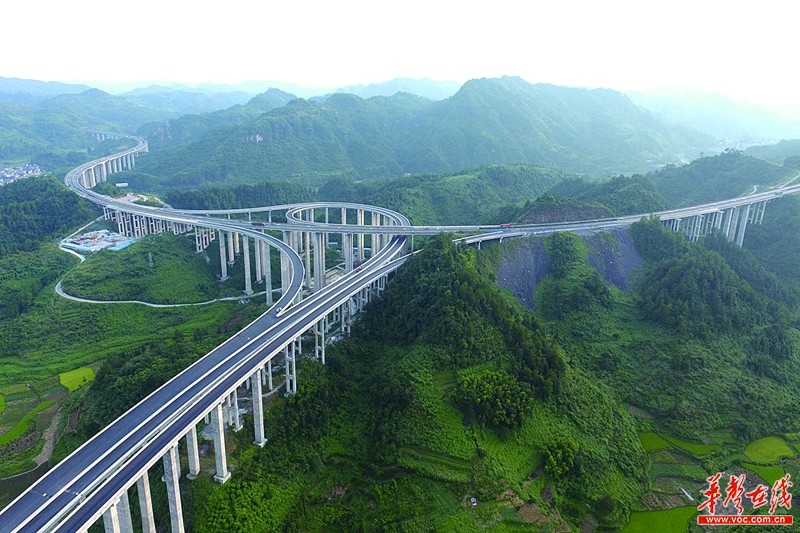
[54, 336]
[157, 269]
[376, 439]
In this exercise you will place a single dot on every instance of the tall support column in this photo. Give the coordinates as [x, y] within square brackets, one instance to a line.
[288, 369]
[258, 408]
[172, 477]
[111, 519]
[248, 284]
[230, 248]
[734, 223]
[269, 375]
[742, 225]
[360, 222]
[146, 504]
[319, 339]
[762, 208]
[287, 237]
[237, 419]
[265, 258]
[293, 352]
[319, 261]
[236, 248]
[347, 247]
[193, 453]
[257, 257]
[218, 431]
[223, 263]
[124, 511]
[307, 256]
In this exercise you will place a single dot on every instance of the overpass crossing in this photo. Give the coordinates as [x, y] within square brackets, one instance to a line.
[94, 482]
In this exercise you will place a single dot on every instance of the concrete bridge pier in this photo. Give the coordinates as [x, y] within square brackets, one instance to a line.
[124, 512]
[258, 262]
[347, 250]
[266, 268]
[234, 406]
[319, 261]
[172, 477]
[146, 504]
[223, 265]
[218, 430]
[306, 240]
[287, 238]
[320, 328]
[229, 235]
[745, 214]
[360, 222]
[258, 408]
[248, 283]
[193, 454]
[111, 519]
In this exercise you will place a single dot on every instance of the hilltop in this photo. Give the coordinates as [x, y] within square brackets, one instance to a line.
[488, 121]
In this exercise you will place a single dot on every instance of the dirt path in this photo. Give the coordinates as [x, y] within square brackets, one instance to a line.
[49, 437]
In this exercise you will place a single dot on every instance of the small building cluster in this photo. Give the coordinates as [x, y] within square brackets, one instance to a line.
[97, 240]
[7, 175]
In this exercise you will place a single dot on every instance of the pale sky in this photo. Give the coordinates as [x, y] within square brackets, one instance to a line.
[749, 53]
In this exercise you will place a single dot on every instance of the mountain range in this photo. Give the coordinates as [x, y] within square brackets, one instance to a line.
[488, 121]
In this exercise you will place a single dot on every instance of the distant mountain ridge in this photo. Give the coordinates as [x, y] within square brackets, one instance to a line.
[488, 121]
[425, 87]
[736, 124]
[22, 90]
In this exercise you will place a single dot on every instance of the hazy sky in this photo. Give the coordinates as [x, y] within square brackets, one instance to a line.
[748, 52]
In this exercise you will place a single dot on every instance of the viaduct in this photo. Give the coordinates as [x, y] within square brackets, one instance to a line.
[96, 481]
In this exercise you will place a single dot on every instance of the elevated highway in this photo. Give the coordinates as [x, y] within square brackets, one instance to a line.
[94, 481]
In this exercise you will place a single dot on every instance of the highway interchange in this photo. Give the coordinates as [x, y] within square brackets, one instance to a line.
[75, 493]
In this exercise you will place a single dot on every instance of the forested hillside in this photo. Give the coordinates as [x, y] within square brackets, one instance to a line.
[415, 413]
[708, 179]
[488, 121]
[38, 209]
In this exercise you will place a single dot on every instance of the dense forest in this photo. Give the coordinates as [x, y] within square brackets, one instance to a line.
[712, 178]
[488, 121]
[38, 209]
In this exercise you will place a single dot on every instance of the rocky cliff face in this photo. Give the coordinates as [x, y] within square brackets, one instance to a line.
[524, 263]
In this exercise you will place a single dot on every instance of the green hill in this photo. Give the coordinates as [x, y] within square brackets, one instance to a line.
[488, 121]
[707, 179]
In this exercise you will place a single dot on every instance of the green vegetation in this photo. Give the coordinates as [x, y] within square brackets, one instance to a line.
[770, 474]
[464, 198]
[24, 274]
[652, 441]
[622, 195]
[157, 269]
[781, 256]
[715, 178]
[22, 426]
[375, 439]
[2, 404]
[38, 209]
[692, 447]
[768, 450]
[240, 196]
[667, 521]
[75, 379]
[549, 208]
[488, 121]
